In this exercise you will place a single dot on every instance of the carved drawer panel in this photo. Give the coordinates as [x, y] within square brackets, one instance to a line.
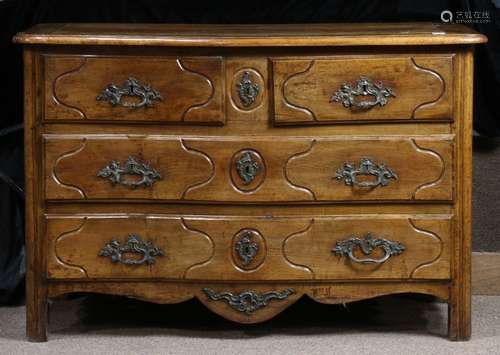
[161, 246]
[361, 87]
[356, 169]
[239, 170]
[155, 89]
[248, 248]
[119, 167]
[123, 247]
[373, 247]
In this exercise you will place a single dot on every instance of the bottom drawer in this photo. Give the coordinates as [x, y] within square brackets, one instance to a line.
[118, 246]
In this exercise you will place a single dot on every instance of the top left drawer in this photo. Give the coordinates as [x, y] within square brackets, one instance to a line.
[128, 88]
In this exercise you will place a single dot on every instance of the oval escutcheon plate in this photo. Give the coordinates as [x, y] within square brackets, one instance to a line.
[248, 170]
[247, 89]
[248, 249]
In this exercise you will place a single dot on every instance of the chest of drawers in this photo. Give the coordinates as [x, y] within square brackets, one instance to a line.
[248, 166]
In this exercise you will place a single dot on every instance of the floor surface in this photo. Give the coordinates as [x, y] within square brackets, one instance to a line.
[405, 324]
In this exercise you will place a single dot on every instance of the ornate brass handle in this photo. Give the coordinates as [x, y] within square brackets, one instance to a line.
[134, 244]
[114, 172]
[367, 245]
[248, 301]
[131, 88]
[348, 172]
[364, 87]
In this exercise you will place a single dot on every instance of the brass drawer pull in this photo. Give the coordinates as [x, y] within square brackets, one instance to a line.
[114, 172]
[349, 173]
[248, 301]
[135, 245]
[131, 88]
[367, 245]
[364, 87]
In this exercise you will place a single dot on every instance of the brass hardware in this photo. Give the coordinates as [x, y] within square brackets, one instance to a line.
[348, 172]
[247, 89]
[114, 173]
[134, 244]
[131, 88]
[248, 301]
[364, 87]
[247, 168]
[247, 249]
[367, 245]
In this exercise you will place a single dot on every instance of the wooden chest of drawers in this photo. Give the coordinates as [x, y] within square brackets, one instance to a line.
[248, 166]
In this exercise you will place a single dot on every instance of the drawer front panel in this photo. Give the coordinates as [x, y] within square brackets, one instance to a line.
[369, 88]
[264, 170]
[359, 169]
[122, 168]
[248, 248]
[177, 90]
[375, 247]
[123, 247]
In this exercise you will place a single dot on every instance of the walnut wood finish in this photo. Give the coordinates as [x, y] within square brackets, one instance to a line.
[421, 84]
[310, 35]
[459, 317]
[426, 245]
[190, 88]
[75, 244]
[73, 165]
[36, 284]
[203, 247]
[175, 292]
[268, 237]
[429, 177]
[301, 170]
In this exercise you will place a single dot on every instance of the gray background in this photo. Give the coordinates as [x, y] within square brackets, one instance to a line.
[486, 194]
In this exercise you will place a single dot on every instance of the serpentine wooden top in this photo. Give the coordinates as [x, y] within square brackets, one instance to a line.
[345, 34]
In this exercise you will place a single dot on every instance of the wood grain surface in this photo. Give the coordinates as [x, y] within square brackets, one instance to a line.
[199, 209]
[190, 88]
[203, 247]
[183, 35]
[421, 85]
[290, 169]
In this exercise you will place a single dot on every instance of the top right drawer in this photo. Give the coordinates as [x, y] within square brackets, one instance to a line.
[402, 87]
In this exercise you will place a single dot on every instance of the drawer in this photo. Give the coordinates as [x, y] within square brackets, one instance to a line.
[152, 89]
[373, 247]
[236, 169]
[114, 246]
[363, 87]
[248, 248]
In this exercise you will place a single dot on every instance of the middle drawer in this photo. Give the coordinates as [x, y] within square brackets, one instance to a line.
[253, 170]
